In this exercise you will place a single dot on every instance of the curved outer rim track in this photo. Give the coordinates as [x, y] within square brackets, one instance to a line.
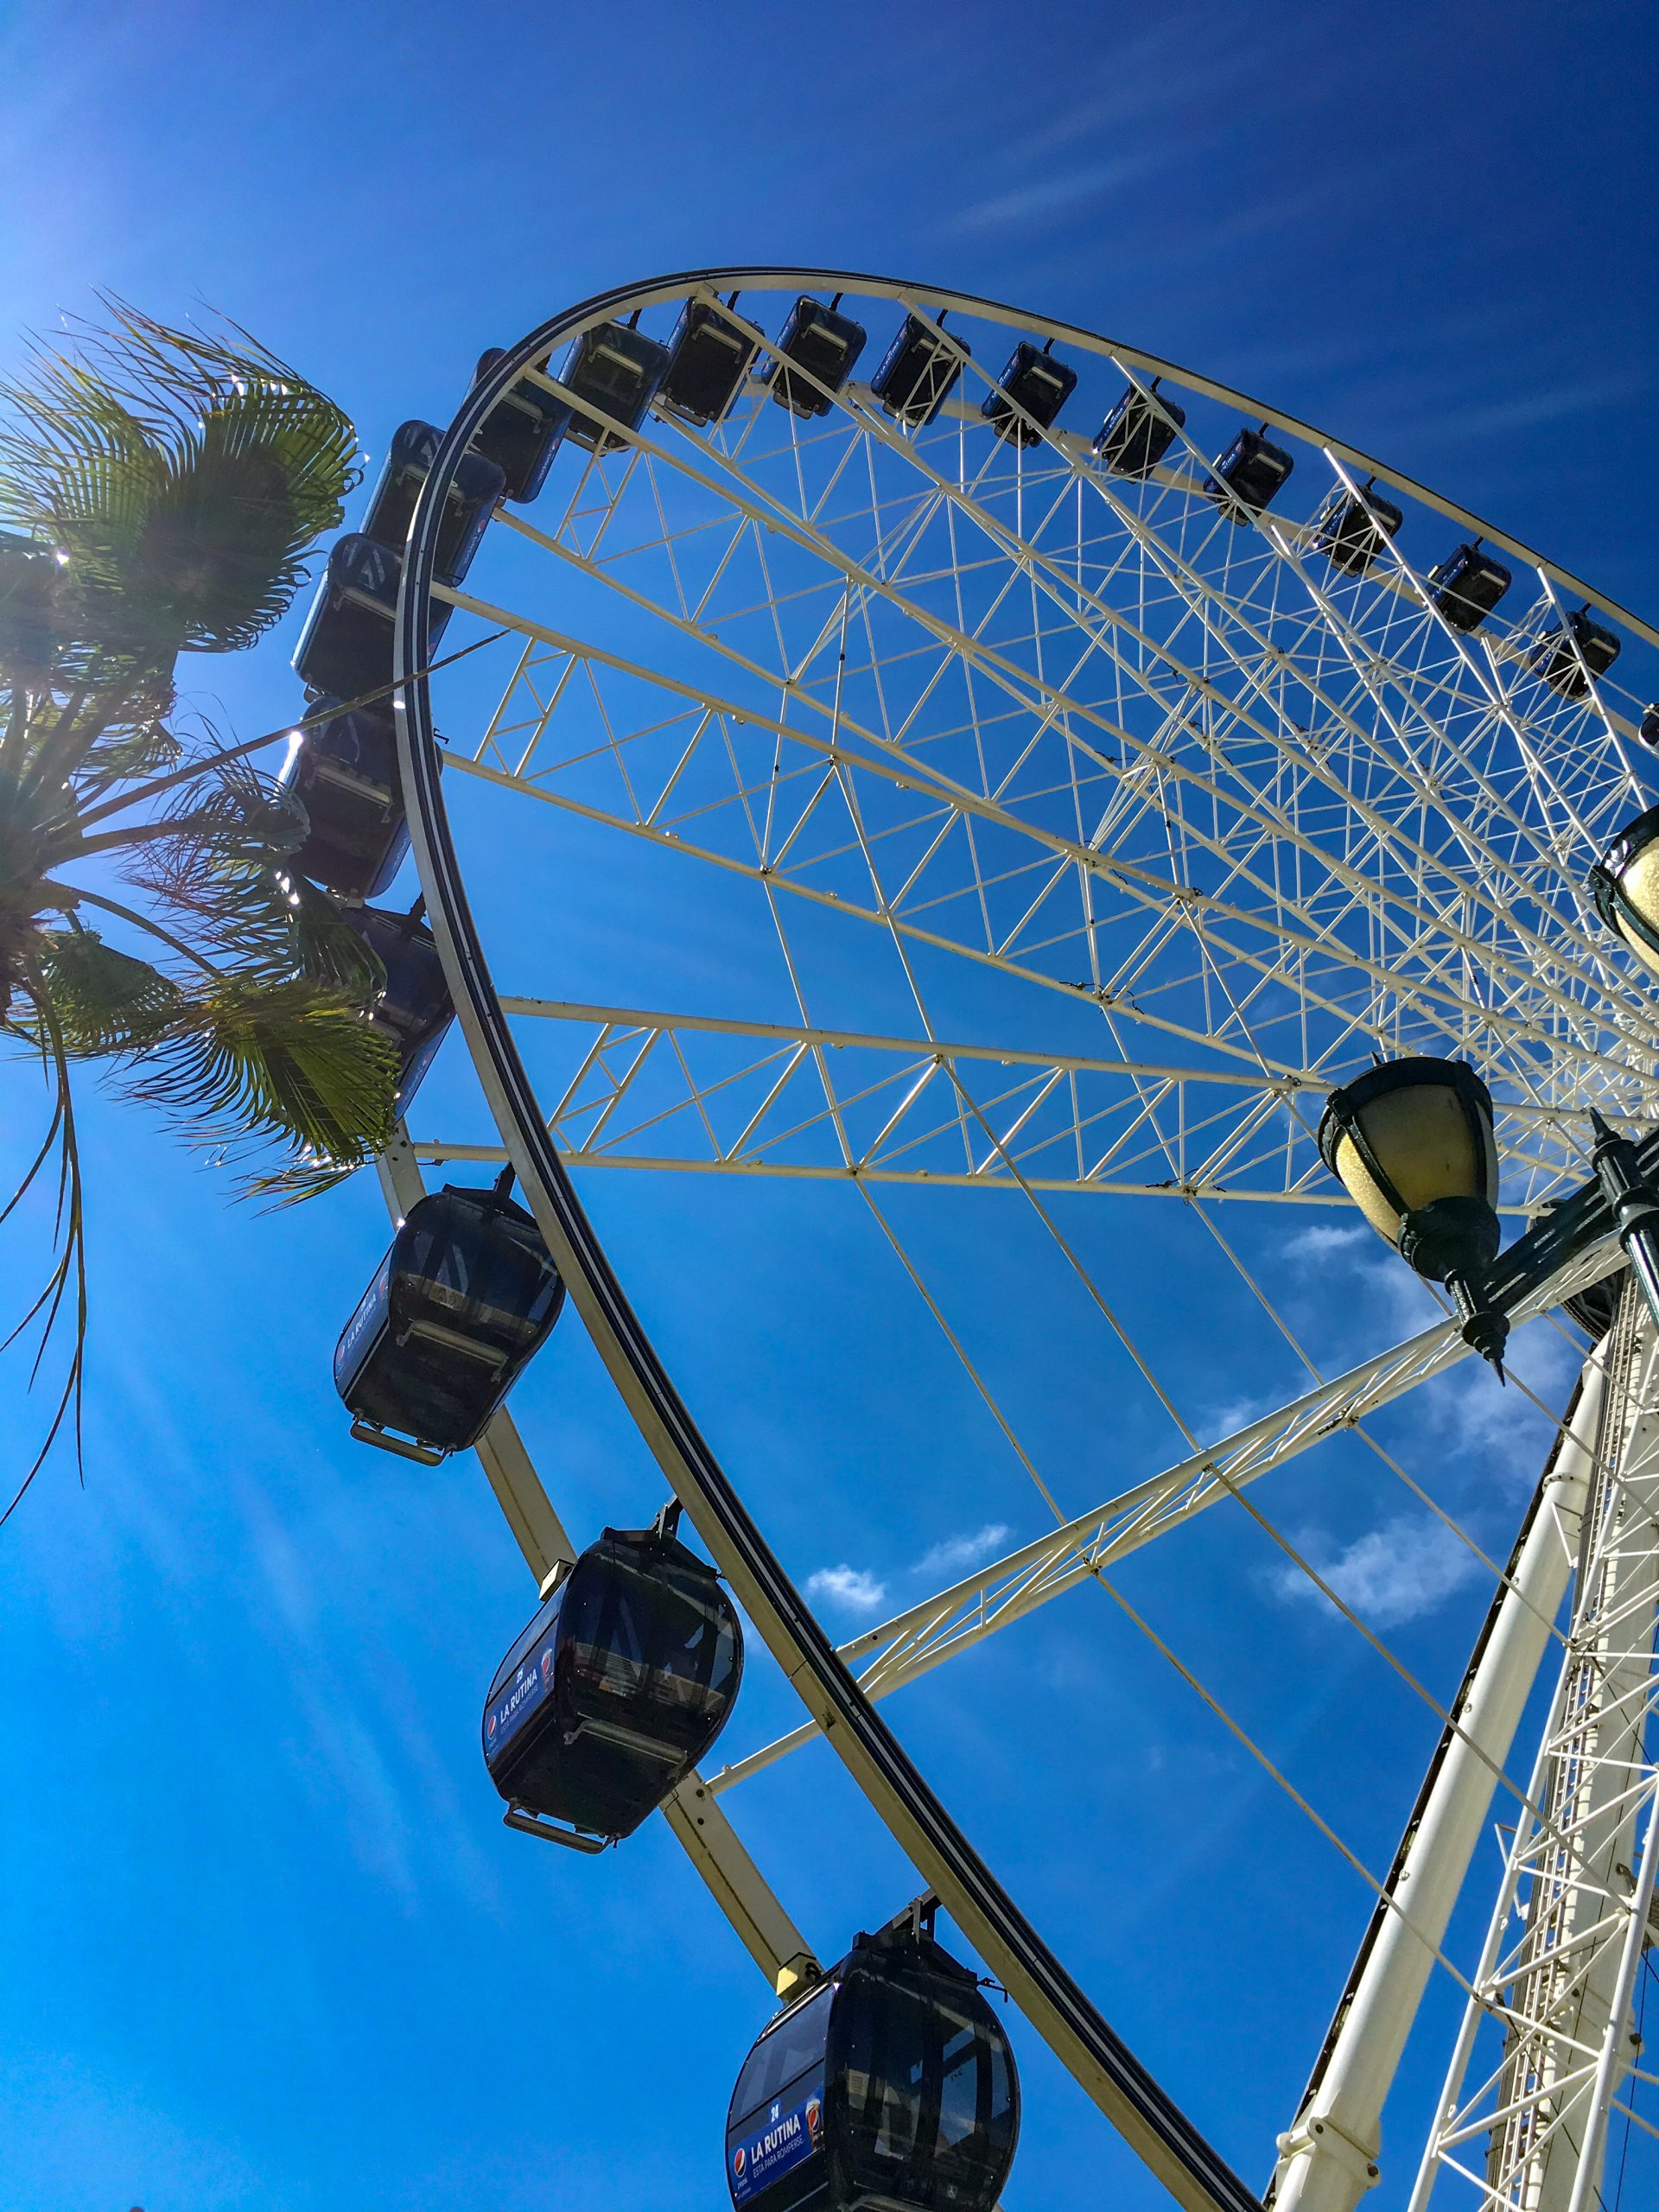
[1143, 2113]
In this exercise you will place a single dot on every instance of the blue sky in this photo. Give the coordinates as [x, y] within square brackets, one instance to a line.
[268, 1943]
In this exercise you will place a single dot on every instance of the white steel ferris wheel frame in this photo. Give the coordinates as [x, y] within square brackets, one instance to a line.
[1455, 962]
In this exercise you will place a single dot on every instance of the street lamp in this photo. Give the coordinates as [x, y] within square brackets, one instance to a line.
[1411, 1142]
[1625, 884]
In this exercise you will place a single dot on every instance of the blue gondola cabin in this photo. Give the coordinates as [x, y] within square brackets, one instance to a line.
[345, 772]
[1139, 430]
[457, 1309]
[816, 352]
[1248, 476]
[345, 649]
[1351, 528]
[918, 372]
[708, 358]
[413, 1006]
[1466, 586]
[615, 371]
[890, 2085]
[1027, 396]
[520, 433]
[476, 486]
[615, 1690]
[1571, 655]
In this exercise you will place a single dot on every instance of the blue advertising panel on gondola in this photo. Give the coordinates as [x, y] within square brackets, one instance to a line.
[788, 2132]
[532, 1681]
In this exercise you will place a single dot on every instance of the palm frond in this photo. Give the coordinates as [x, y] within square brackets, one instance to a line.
[326, 948]
[184, 475]
[253, 1063]
[69, 1271]
[123, 755]
[105, 1001]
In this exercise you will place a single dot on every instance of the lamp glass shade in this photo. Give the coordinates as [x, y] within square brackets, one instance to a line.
[1625, 883]
[1407, 1135]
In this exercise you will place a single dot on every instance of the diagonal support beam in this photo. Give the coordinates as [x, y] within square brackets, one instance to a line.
[915, 1641]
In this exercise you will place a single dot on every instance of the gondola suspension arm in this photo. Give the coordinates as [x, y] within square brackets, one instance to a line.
[703, 1832]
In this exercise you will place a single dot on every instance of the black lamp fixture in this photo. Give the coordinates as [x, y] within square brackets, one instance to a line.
[1625, 884]
[1411, 1142]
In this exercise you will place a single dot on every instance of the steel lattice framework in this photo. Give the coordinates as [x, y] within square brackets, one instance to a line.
[1099, 738]
[1553, 1991]
[1158, 822]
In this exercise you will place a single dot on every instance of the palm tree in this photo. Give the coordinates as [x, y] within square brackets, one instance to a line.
[159, 492]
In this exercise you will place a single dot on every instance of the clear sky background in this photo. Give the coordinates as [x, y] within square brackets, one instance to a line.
[266, 1943]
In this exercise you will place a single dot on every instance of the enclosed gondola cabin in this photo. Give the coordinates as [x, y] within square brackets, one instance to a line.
[1248, 476]
[890, 2085]
[1466, 586]
[1139, 430]
[708, 358]
[918, 372]
[345, 649]
[457, 1308]
[615, 1690]
[1028, 395]
[413, 1006]
[1352, 528]
[816, 352]
[345, 772]
[615, 370]
[1570, 655]
[473, 491]
[520, 433]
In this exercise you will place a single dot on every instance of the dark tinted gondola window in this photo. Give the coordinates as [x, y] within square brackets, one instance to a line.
[930, 2099]
[793, 2046]
[485, 1282]
[658, 1644]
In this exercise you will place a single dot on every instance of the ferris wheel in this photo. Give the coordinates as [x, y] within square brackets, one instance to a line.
[1097, 770]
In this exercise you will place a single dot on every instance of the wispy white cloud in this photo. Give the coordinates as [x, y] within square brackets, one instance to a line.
[1505, 1427]
[956, 1555]
[1322, 1241]
[1061, 190]
[854, 1587]
[1393, 1574]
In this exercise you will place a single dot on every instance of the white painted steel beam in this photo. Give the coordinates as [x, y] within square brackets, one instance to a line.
[692, 1106]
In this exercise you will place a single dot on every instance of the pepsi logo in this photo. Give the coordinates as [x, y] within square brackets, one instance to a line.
[739, 2159]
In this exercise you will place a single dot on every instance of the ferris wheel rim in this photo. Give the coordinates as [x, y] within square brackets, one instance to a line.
[671, 286]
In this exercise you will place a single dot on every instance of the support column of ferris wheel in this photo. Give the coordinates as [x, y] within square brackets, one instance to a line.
[1557, 1974]
[1564, 1951]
